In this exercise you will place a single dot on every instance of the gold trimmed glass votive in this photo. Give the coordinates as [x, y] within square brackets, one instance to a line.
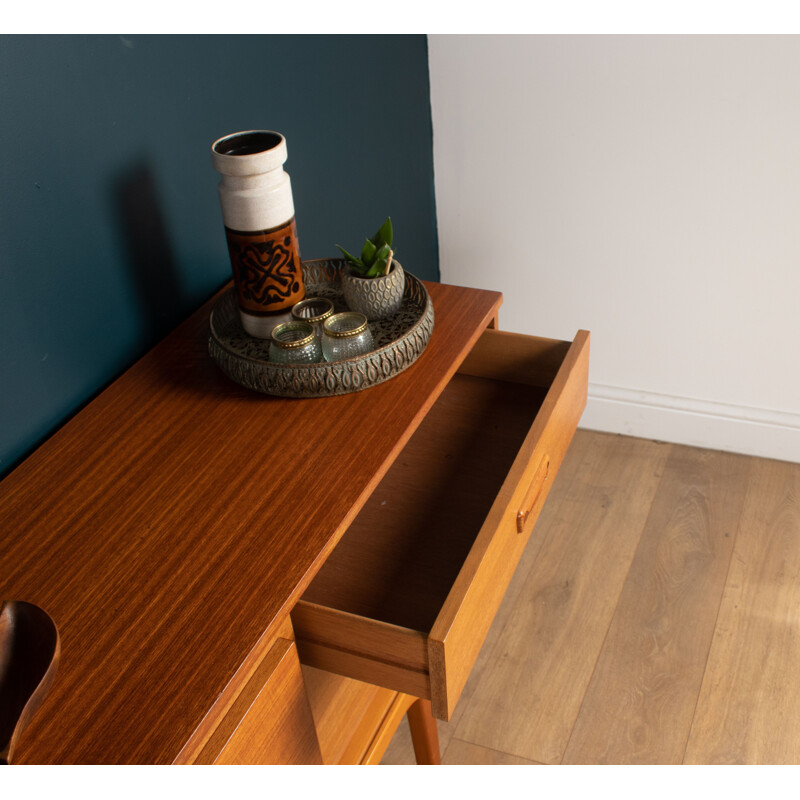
[345, 335]
[314, 310]
[294, 343]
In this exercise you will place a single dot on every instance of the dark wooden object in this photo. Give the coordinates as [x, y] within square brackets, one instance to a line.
[29, 652]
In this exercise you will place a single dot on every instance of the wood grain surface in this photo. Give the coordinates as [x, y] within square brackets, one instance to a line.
[638, 708]
[460, 752]
[626, 548]
[531, 684]
[167, 529]
[274, 724]
[424, 735]
[347, 713]
[508, 608]
[29, 655]
[400, 557]
[365, 668]
[748, 711]
[385, 731]
[437, 543]
[465, 619]
[400, 749]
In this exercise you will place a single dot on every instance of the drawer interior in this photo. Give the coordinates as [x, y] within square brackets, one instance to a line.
[401, 555]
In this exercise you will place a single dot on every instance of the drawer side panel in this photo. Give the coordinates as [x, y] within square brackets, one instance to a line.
[370, 637]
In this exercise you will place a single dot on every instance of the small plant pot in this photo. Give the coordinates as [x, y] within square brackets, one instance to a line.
[375, 298]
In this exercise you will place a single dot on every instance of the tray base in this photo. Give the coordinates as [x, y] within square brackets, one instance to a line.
[399, 341]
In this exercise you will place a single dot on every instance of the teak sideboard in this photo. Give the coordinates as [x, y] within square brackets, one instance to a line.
[240, 578]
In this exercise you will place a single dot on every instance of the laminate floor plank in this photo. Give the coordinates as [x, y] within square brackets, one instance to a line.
[694, 659]
[529, 692]
[748, 711]
[400, 750]
[642, 696]
[460, 752]
[583, 446]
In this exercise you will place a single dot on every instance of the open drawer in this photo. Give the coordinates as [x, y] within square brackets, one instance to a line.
[408, 595]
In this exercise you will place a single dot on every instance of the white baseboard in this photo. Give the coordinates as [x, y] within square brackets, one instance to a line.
[684, 420]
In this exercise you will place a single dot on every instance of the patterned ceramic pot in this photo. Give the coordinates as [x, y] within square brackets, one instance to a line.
[375, 298]
[258, 211]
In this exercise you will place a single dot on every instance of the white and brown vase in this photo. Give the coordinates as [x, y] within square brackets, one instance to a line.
[375, 298]
[258, 212]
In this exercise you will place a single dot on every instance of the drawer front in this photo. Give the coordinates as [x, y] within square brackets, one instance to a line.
[467, 615]
[270, 721]
[355, 720]
[339, 634]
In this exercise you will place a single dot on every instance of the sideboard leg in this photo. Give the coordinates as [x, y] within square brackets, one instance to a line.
[424, 733]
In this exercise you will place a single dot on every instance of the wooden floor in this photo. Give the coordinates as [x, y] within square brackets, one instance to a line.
[654, 618]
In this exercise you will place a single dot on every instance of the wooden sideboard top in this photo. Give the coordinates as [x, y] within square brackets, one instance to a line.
[170, 526]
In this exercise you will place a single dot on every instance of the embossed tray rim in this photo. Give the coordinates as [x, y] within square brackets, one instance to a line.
[306, 377]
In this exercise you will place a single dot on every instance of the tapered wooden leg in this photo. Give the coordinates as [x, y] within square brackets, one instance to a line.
[424, 733]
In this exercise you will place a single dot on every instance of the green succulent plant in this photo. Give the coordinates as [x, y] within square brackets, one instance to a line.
[376, 254]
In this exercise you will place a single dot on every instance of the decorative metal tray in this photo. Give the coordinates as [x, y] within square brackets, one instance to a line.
[399, 342]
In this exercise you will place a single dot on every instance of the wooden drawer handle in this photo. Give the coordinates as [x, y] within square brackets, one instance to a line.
[539, 477]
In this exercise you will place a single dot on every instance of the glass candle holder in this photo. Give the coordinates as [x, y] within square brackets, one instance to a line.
[294, 343]
[345, 335]
[314, 310]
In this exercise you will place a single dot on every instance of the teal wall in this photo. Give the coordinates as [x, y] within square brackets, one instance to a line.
[110, 229]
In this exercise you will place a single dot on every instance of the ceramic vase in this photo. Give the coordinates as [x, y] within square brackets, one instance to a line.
[375, 298]
[258, 212]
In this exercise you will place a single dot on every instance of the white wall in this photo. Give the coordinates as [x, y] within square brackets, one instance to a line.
[646, 188]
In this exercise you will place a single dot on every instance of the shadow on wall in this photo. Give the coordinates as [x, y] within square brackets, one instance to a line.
[153, 270]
